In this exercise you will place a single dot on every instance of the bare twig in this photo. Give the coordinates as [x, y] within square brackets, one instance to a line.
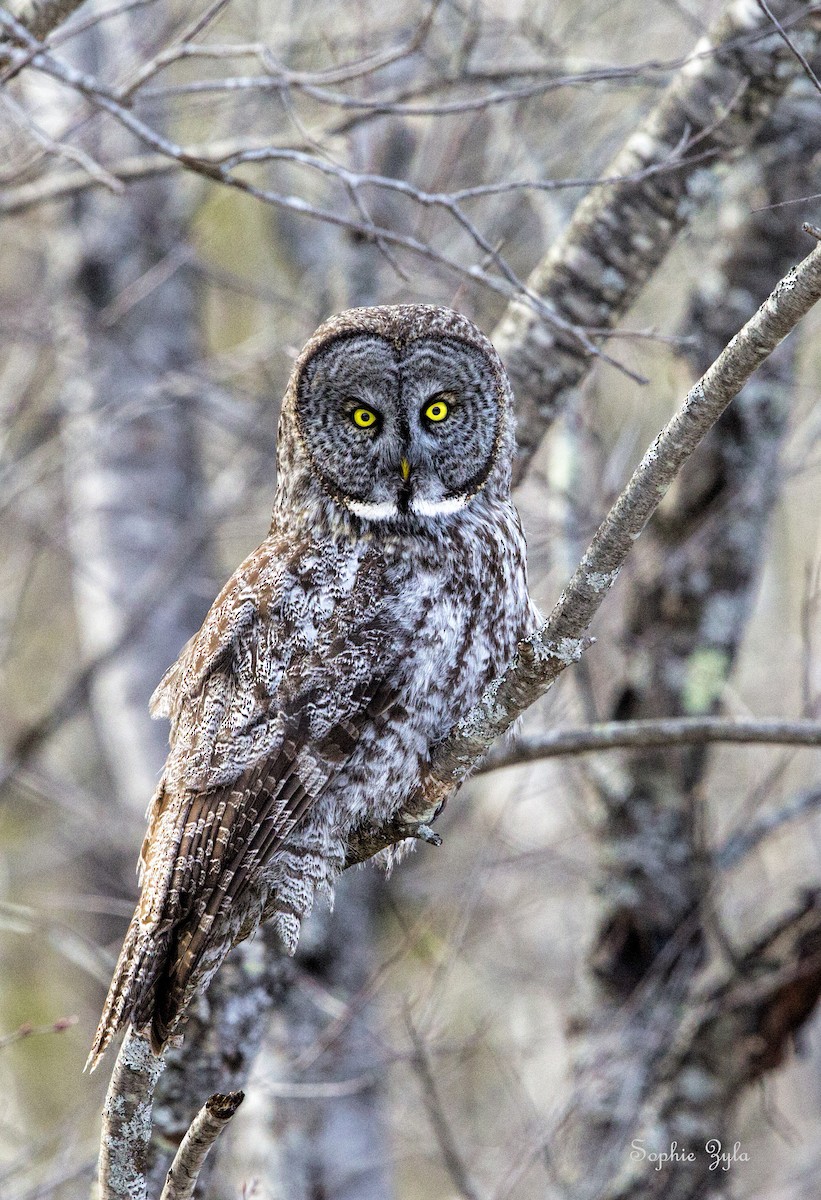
[204, 1131]
[285, 78]
[762, 825]
[235, 151]
[670, 731]
[808, 71]
[437, 1114]
[28, 1030]
[93, 170]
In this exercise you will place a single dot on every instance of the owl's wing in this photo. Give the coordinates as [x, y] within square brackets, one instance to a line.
[312, 724]
[204, 847]
[231, 616]
[229, 834]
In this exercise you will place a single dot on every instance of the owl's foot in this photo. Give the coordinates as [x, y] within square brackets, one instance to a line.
[424, 833]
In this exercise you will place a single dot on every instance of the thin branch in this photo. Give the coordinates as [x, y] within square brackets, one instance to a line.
[437, 1114]
[28, 1030]
[96, 173]
[762, 825]
[808, 71]
[206, 1127]
[342, 73]
[233, 152]
[669, 731]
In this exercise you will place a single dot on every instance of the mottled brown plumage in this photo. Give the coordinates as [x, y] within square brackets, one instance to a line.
[390, 590]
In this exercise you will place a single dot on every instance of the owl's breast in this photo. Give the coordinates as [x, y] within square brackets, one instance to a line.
[458, 610]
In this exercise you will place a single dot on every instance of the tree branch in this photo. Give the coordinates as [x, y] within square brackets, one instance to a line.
[437, 1113]
[127, 1120]
[763, 824]
[666, 731]
[206, 1127]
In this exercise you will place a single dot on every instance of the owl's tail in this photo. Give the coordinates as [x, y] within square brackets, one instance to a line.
[131, 988]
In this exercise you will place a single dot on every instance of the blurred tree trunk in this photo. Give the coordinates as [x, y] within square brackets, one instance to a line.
[132, 478]
[648, 1065]
[620, 234]
[128, 315]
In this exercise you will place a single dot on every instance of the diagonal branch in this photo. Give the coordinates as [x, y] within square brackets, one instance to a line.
[543, 656]
[438, 1115]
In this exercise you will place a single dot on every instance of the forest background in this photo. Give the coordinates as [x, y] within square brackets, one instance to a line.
[610, 946]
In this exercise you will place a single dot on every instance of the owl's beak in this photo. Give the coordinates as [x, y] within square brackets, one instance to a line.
[404, 467]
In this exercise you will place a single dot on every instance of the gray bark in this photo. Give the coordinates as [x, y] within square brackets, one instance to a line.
[197, 1144]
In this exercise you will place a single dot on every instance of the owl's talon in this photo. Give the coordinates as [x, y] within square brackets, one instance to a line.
[425, 834]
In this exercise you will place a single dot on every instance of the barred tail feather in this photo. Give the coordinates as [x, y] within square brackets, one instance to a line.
[131, 987]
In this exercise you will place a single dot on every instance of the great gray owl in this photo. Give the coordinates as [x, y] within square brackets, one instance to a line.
[389, 591]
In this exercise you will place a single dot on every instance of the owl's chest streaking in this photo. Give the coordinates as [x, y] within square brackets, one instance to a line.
[458, 605]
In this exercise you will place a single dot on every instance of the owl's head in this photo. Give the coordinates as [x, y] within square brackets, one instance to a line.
[401, 411]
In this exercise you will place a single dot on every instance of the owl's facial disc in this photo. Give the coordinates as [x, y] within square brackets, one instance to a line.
[396, 430]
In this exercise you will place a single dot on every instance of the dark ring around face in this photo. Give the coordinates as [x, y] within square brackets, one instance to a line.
[358, 482]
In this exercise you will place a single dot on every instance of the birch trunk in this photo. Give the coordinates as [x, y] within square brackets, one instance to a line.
[621, 233]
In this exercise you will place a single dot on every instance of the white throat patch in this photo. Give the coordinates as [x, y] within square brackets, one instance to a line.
[383, 511]
[438, 508]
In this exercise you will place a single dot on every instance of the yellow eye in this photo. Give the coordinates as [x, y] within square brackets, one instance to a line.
[365, 418]
[437, 410]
